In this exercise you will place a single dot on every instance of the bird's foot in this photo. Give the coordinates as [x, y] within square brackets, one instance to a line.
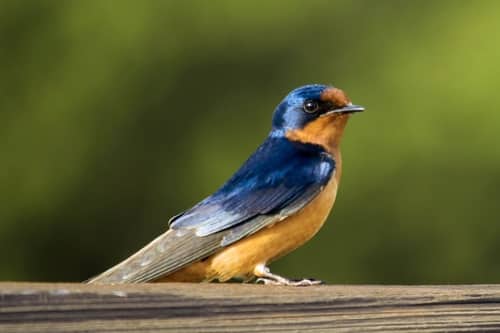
[266, 277]
[287, 282]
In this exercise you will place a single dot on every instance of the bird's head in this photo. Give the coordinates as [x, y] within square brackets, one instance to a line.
[314, 114]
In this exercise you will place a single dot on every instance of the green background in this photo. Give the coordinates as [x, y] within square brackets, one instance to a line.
[116, 115]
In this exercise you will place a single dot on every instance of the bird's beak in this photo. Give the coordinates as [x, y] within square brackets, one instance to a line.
[349, 108]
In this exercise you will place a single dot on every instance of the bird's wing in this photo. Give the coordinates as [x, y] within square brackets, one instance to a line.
[277, 181]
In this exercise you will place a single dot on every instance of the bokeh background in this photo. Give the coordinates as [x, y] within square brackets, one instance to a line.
[116, 115]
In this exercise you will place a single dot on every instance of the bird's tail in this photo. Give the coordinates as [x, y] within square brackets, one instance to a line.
[166, 254]
[125, 271]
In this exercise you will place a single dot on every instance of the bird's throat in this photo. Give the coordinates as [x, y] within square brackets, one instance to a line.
[325, 131]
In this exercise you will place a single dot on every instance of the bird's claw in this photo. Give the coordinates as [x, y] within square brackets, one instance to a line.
[292, 283]
[306, 282]
[268, 282]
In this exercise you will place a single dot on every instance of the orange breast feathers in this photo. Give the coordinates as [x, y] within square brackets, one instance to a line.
[241, 258]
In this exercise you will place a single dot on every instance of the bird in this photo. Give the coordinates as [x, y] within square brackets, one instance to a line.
[274, 203]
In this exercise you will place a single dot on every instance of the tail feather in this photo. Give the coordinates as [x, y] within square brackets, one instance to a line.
[166, 254]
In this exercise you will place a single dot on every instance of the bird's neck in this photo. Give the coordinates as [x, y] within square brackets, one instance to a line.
[325, 131]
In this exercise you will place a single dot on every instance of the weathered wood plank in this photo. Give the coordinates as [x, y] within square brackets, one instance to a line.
[39, 307]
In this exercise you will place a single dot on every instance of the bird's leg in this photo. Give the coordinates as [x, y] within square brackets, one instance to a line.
[265, 276]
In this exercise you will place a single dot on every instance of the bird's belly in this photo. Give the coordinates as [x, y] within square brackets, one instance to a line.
[240, 258]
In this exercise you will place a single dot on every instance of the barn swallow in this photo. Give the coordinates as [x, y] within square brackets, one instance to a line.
[278, 199]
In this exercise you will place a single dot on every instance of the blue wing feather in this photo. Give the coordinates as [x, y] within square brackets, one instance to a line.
[280, 177]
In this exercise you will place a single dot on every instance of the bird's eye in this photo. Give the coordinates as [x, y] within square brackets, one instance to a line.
[311, 106]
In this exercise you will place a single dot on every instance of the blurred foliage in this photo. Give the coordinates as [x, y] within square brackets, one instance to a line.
[116, 115]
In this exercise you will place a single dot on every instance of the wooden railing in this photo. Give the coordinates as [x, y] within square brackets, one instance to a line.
[181, 307]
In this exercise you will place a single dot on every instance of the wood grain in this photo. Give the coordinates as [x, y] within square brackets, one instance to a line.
[182, 307]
